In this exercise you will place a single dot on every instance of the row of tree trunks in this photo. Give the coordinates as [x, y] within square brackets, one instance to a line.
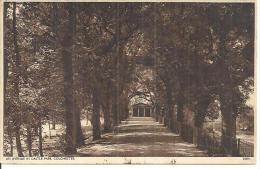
[229, 121]
[115, 103]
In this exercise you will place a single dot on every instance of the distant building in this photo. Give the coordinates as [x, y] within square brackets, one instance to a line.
[142, 110]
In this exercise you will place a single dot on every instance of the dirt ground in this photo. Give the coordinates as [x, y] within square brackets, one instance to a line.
[142, 137]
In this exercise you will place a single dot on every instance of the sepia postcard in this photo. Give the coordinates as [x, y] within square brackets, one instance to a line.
[137, 82]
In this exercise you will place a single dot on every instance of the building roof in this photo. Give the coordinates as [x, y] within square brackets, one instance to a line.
[139, 104]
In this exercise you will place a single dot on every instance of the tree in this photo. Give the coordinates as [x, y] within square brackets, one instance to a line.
[232, 72]
[63, 59]
[17, 58]
[66, 53]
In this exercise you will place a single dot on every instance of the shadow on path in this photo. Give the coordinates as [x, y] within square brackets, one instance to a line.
[141, 137]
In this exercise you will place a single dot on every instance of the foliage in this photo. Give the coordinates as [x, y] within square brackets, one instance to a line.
[166, 53]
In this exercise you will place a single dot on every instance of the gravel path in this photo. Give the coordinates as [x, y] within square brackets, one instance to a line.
[141, 137]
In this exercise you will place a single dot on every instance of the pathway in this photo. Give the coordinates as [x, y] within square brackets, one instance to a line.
[141, 137]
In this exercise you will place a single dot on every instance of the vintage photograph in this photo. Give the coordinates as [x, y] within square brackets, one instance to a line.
[128, 79]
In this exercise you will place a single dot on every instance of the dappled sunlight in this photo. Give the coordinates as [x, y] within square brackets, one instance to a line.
[141, 140]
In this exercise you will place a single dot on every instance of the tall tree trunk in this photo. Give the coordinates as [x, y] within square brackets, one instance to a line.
[228, 140]
[156, 112]
[107, 114]
[161, 114]
[66, 52]
[77, 109]
[96, 114]
[200, 113]
[120, 106]
[80, 138]
[165, 117]
[29, 139]
[116, 93]
[229, 124]
[198, 127]
[18, 142]
[10, 136]
[122, 109]
[126, 110]
[180, 113]
[115, 107]
[17, 117]
[171, 117]
[6, 68]
[40, 136]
